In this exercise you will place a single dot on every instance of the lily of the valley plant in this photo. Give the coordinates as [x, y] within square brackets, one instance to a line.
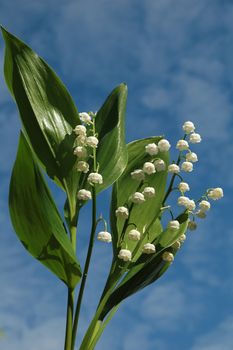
[84, 153]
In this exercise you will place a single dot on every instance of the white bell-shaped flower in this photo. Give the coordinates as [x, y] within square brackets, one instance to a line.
[85, 117]
[195, 138]
[125, 254]
[182, 145]
[80, 130]
[159, 165]
[80, 152]
[215, 193]
[104, 236]
[84, 195]
[95, 178]
[191, 157]
[168, 257]
[134, 235]
[152, 149]
[164, 145]
[173, 225]
[137, 198]
[149, 248]
[183, 187]
[173, 168]
[82, 166]
[122, 212]
[204, 205]
[188, 127]
[187, 166]
[138, 175]
[148, 168]
[92, 141]
[148, 192]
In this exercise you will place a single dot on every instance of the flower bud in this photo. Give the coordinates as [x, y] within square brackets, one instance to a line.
[191, 205]
[149, 192]
[173, 168]
[164, 145]
[201, 214]
[148, 248]
[195, 138]
[82, 166]
[125, 254]
[183, 187]
[148, 168]
[152, 149]
[191, 157]
[81, 140]
[187, 166]
[215, 193]
[173, 225]
[80, 152]
[84, 195]
[176, 245]
[168, 257]
[188, 127]
[182, 145]
[137, 198]
[184, 201]
[138, 174]
[182, 238]
[122, 212]
[134, 235]
[204, 205]
[159, 165]
[92, 141]
[85, 118]
[192, 225]
[80, 130]
[95, 178]
[104, 236]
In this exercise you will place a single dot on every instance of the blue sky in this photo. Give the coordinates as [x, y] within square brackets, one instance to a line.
[176, 58]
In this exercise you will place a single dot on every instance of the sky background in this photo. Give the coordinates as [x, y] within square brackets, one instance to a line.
[176, 58]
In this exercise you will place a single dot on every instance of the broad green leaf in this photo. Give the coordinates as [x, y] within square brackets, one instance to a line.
[148, 268]
[144, 215]
[36, 219]
[46, 109]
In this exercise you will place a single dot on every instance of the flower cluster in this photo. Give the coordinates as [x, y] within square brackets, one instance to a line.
[86, 143]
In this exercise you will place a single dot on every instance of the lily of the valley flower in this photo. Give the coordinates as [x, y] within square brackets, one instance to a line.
[173, 168]
[80, 152]
[134, 235]
[204, 205]
[80, 130]
[148, 192]
[183, 187]
[149, 168]
[148, 248]
[125, 255]
[104, 236]
[195, 138]
[191, 157]
[138, 174]
[95, 178]
[85, 118]
[159, 165]
[173, 225]
[137, 198]
[182, 145]
[168, 257]
[188, 127]
[82, 166]
[192, 225]
[84, 195]
[122, 212]
[92, 141]
[152, 149]
[187, 166]
[215, 193]
[164, 145]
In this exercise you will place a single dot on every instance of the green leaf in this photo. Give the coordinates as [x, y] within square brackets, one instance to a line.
[46, 109]
[144, 215]
[36, 219]
[148, 268]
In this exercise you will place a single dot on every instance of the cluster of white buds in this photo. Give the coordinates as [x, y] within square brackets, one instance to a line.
[104, 236]
[82, 142]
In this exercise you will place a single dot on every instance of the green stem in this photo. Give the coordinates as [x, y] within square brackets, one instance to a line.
[69, 319]
[86, 268]
[169, 190]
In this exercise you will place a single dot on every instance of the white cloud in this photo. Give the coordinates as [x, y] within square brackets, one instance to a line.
[218, 338]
